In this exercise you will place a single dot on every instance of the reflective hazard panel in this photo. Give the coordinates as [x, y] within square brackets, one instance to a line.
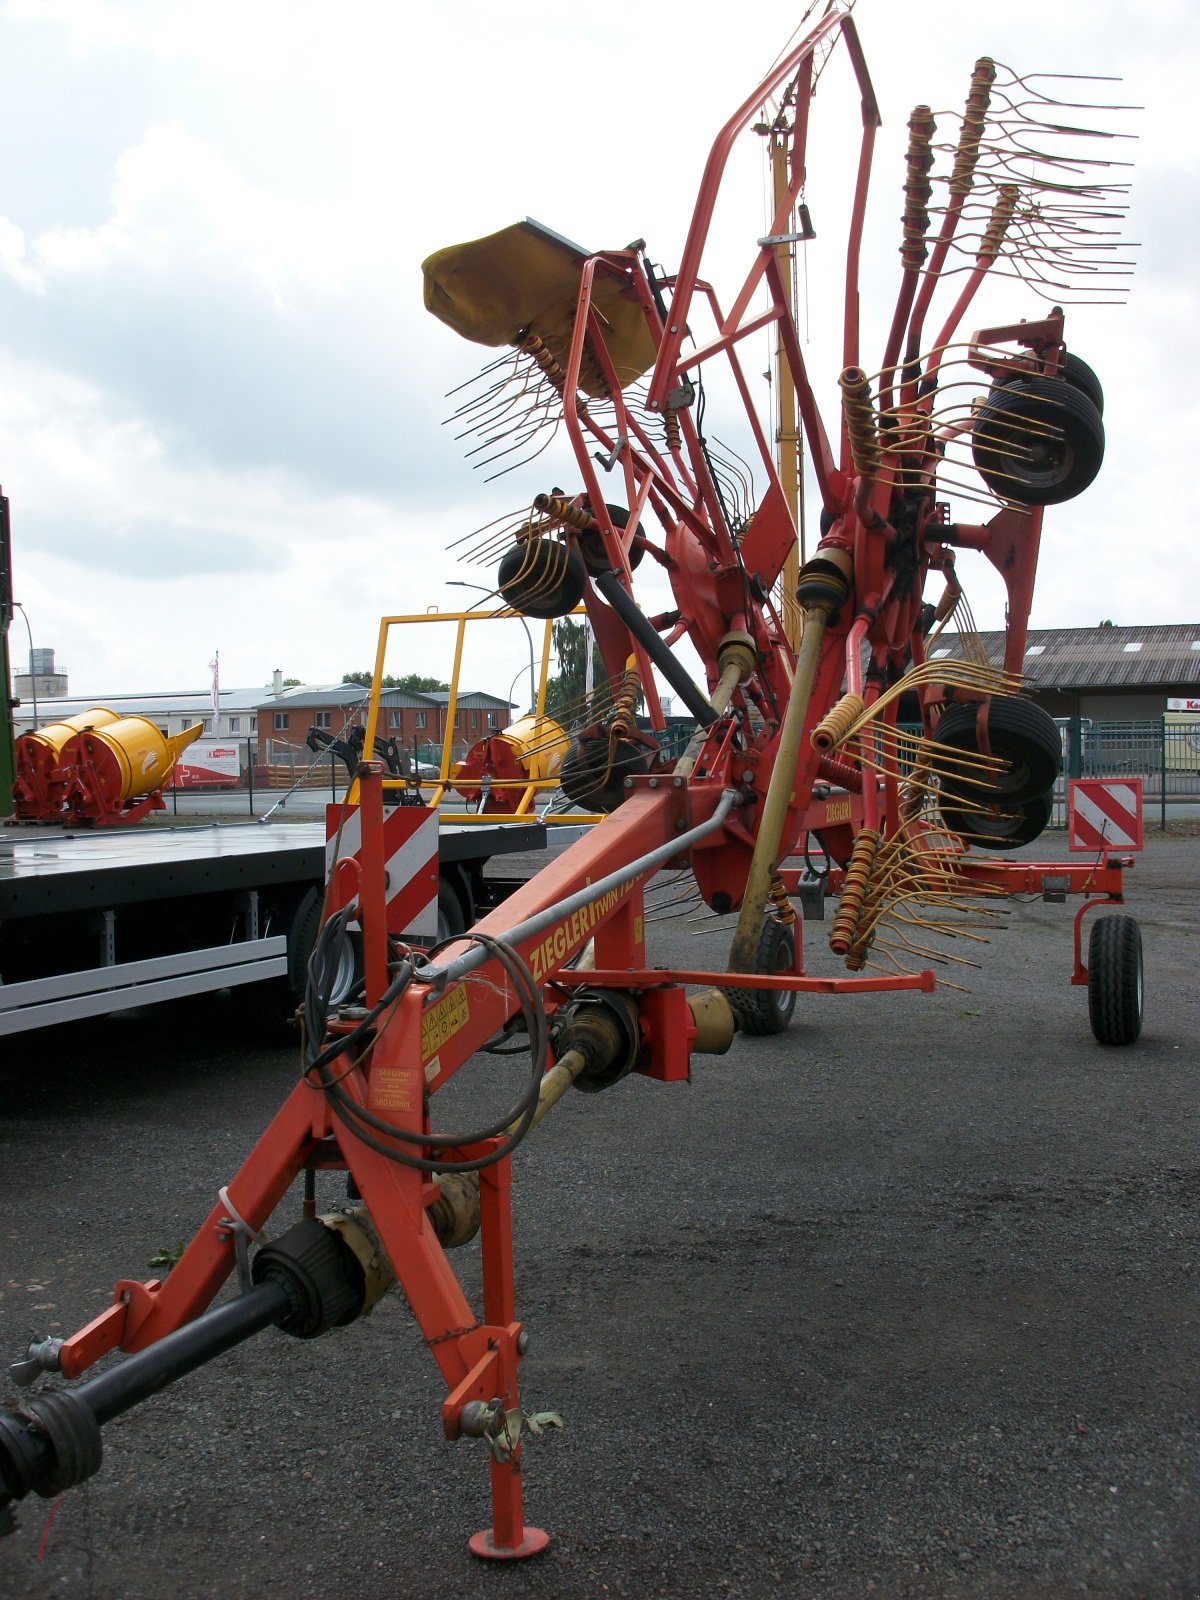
[1105, 813]
[410, 849]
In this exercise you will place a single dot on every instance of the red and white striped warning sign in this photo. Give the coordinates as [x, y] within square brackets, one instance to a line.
[410, 849]
[1105, 812]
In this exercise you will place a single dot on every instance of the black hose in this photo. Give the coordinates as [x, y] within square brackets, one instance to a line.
[644, 631]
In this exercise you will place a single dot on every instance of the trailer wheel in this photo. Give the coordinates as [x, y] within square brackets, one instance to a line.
[1115, 980]
[1038, 441]
[764, 1011]
[270, 1007]
[451, 919]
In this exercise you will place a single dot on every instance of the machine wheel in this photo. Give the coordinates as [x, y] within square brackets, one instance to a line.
[763, 1011]
[1115, 980]
[1038, 441]
[1078, 374]
[1007, 827]
[1020, 733]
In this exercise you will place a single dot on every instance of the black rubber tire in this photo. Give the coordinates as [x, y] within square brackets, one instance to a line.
[1007, 827]
[451, 918]
[1115, 980]
[760, 1012]
[1078, 374]
[1020, 733]
[1026, 464]
[586, 778]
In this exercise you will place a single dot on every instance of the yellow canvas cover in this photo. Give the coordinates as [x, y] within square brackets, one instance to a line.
[525, 279]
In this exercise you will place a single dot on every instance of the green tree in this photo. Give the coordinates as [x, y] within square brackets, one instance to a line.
[411, 680]
[565, 693]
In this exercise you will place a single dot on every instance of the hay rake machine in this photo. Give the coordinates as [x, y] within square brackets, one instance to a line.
[798, 736]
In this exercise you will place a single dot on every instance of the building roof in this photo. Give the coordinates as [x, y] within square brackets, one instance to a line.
[477, 698]
[1164, 656]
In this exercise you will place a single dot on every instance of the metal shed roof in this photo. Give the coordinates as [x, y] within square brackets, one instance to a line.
[1162, 656]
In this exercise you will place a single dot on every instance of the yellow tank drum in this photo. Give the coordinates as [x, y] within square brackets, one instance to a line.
[41, 784]
[115, 766]
[530, 750]
[539, 744]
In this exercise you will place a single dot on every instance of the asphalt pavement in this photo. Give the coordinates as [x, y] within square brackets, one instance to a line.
[901, 1302]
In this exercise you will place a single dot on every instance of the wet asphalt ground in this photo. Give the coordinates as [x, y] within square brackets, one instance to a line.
[901, 1302]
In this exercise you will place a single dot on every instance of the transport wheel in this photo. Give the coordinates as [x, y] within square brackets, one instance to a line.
[1020, 733]
[1006, 827]
[764, 1011]
[1038, 441]
[1115, 980]
[1078, 374]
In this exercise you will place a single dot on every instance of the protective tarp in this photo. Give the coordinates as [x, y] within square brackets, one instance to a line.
[525, 279]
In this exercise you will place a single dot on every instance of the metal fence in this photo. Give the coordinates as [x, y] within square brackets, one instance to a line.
[1164, 754]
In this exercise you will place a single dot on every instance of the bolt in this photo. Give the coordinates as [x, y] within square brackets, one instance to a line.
[674, 327]
[747, 776]
[522, 1341]
[653, 783]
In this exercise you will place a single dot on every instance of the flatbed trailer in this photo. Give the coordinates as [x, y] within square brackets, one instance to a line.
[92, 923]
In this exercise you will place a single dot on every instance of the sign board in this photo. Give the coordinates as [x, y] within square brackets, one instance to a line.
[1104, 813]
[209, 764]
[410, 850]
[1182, 703]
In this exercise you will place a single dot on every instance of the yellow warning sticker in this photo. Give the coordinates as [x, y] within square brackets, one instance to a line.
[443, 1020]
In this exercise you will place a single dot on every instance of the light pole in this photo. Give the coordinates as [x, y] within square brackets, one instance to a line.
[459, 583]
[17, 606]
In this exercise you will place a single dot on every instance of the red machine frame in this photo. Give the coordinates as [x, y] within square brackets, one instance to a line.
[707, 813]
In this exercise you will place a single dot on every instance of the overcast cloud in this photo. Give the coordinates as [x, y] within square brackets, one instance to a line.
[221, 400]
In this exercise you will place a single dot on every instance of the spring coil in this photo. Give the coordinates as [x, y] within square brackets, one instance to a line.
[861, 427]
[917, 188]
[531, 344]
[834, 725]
[1002, 215]
[854, 889]
[843, 773]
[974, 117]
[782, 908]
[623, 721]
[557, 509]
[671, 430]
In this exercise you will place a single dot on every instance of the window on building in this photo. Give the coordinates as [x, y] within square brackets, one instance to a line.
[493, 720]
[324, 719]
[474, 719]
[395, 719]
[281, 721]
[1035, 650]
[1130, 648]
[208, 724]
[235, 724]
[422, 719]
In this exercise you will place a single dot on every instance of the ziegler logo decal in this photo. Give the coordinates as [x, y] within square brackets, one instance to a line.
[838, 811]
[443, 1020]
[572, 931]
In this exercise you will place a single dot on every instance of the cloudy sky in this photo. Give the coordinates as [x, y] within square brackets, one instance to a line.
[221, 400]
